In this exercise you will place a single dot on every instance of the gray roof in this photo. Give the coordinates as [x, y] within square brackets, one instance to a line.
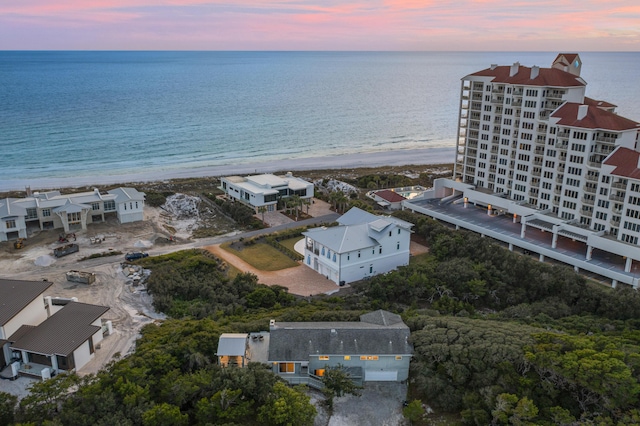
[24, 329]
[232, 344]
[296, 341]
[357, 216]
[15, 295]
[9, 208]
[343, 239]
[63, 332]
[127, 194]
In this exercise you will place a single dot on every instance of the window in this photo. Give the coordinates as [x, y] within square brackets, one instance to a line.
[108, 206]
[398, 246]
[347, 357]
[32, 213]
[73, 217]
[287, 367]
[11, 223]
[46, 212]
[323, 357]
[389, 233]
[398, 231]
[380, 250]
[398, 357]
[368, 357]
[95, 206]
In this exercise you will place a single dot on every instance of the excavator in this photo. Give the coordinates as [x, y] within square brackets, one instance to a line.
[19, 243]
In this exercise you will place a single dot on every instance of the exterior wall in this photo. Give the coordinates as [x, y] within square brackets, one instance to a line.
[21, 228]
[82, 355]
[98, 336]
[33, 314]
[130, 211]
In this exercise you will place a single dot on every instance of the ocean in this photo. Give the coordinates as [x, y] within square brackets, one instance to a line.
[71, 114]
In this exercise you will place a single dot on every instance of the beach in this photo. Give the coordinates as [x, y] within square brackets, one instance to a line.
[401, 157]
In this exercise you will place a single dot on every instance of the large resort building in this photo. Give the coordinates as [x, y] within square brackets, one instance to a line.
[550, 170]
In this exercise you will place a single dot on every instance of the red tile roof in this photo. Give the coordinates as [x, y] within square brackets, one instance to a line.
[390, 196]
[551, 77]
[625, 161]
[570, 57]
[596, 118]
[599, 104]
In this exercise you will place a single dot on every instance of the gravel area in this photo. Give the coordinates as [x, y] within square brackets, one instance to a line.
[380, 404]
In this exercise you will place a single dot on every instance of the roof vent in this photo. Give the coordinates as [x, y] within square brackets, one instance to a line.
[272, 323]
[535, 71]
[334, 332]
[582, 111]
[494, 66]
[514, 69]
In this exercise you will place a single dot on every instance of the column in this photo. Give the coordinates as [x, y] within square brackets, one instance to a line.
[54, 363]
[466, 202]
[614, 283]
[589, 252]
[489, 209]
[515, 218]
[510, 246]
[523, 229]
[541, 257]
[554, 240]
[627, 265]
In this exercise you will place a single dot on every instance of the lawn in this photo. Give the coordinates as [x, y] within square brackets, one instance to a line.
[290, 242]
[261, 256]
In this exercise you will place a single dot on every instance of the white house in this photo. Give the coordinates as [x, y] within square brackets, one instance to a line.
[363, 245]
[265, 190]
[53, 210]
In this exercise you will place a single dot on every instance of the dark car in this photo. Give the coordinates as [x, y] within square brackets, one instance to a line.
[135, 256]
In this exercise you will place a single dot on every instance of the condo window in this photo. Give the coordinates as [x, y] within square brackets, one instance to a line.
[347, 357]
[398, 357]
[46, 212]
[74, 217]
[10, 223]
[108, 206]
[95, 206]
[323, 357]
[287, 367]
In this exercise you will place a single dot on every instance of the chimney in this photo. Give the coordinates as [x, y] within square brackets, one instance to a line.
[28, 190]
[514, 69]
[582, 111]
[535, 71]
[494, 66]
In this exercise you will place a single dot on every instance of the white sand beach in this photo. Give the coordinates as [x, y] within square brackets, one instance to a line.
[375, 159]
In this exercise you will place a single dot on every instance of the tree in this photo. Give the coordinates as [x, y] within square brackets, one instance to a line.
[164, 415]
[224, 406]
[262, 210]
[296, 202]
[337, 382]
[287, 407]
[46, 397]
[413, 411]
[7, 408]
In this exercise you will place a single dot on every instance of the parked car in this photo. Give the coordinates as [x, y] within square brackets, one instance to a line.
[135, 256]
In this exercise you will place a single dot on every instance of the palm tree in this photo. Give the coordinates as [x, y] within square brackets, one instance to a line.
[262, 210]
[296, 201]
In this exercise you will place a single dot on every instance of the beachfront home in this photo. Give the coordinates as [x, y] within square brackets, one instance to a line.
[376, 348]
[41, 336]
[53, 210]
[265, 190]
[363, 245]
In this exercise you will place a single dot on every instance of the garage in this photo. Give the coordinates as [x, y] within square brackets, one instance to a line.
[380, 376]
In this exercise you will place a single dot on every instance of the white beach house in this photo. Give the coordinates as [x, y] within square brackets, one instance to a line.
[265, 190]
[53, 210]
[363, 245]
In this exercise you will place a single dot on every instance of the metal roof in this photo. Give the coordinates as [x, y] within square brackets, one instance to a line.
[63, 332]
[232, 344]
[343, 239]
[15, 295]
[127, 194]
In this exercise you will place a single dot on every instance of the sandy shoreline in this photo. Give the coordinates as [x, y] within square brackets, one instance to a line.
[388, 158]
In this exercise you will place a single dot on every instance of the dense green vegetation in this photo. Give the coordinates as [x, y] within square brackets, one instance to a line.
[498, 338]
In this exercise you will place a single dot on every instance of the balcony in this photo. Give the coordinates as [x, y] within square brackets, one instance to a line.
[587, 201]
[619, 185]
[564, 134]
[562, 146]
[589, 189]
[535, 173]
[615, 223]
[554, 95]
[516, 102]
[605, 139]
[498, 89]
[616, 197]
[594, 164]
[592, 178]
[518, 92]
[497, 100]
[559, 179]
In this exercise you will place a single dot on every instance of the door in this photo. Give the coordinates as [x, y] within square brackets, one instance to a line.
[380, 376]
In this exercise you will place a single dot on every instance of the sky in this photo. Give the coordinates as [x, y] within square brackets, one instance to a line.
[422, 25]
